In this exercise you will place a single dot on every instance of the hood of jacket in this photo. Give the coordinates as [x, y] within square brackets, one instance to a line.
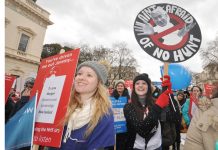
[209, 115]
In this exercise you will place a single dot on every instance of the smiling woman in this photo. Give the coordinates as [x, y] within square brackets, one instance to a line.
[142, 115]
[89, 123]
[86, 81]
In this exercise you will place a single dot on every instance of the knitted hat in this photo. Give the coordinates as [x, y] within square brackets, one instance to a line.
[119, 81]
[144, 77]
[99, 69]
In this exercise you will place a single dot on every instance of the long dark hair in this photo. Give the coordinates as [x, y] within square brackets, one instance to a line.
[197, 87]
[181, 102]
[149, 101]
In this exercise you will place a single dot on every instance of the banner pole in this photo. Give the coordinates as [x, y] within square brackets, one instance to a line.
[34, 118]
[115, 142]
[166, 66]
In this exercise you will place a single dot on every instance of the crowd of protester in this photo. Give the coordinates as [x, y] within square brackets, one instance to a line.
[147, 112]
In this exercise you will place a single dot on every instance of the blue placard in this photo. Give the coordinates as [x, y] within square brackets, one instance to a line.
[19, 129]
[119, 119]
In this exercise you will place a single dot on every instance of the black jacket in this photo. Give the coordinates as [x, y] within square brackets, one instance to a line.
[142, 127]
[19, 105]
[125, 94]
[9, 108]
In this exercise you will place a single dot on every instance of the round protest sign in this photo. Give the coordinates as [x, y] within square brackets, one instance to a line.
[167, 32]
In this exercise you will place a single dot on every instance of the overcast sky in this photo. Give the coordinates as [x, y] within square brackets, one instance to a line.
[104, 22]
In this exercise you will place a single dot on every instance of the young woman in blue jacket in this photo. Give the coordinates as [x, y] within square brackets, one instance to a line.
[89, 123]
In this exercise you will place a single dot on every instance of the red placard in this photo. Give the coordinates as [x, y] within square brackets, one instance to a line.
[208, 88]
[53, 83]
[9, 80]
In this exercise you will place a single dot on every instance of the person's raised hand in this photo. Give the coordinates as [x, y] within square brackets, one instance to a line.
[163, 99]
[166, 83]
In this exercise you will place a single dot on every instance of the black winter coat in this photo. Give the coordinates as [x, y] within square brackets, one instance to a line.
[9, 108]
[19, 105]
[125, 94]
[142, 127]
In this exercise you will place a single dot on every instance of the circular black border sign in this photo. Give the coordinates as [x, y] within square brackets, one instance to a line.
[175, 39]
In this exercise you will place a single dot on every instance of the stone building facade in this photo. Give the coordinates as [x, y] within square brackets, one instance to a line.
[208, 76]
[25, 28]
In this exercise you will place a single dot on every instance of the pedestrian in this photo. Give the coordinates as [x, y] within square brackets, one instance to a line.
[143, 113]
[180, 98]
[25, 96]
[10, 105]
[170, 121]
[191, 104]
[187, 92]
[89, 122]
[203, 130]
[120, 91]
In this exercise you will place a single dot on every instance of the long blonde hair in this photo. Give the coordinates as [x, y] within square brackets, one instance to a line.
[102, 106]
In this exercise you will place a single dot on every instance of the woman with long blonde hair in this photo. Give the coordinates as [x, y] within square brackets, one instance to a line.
[89, 123]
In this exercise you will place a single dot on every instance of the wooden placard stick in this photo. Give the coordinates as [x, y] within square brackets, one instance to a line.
[35, 147]
[166, 67]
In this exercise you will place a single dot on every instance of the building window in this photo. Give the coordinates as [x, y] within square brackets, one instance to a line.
[23, 42]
